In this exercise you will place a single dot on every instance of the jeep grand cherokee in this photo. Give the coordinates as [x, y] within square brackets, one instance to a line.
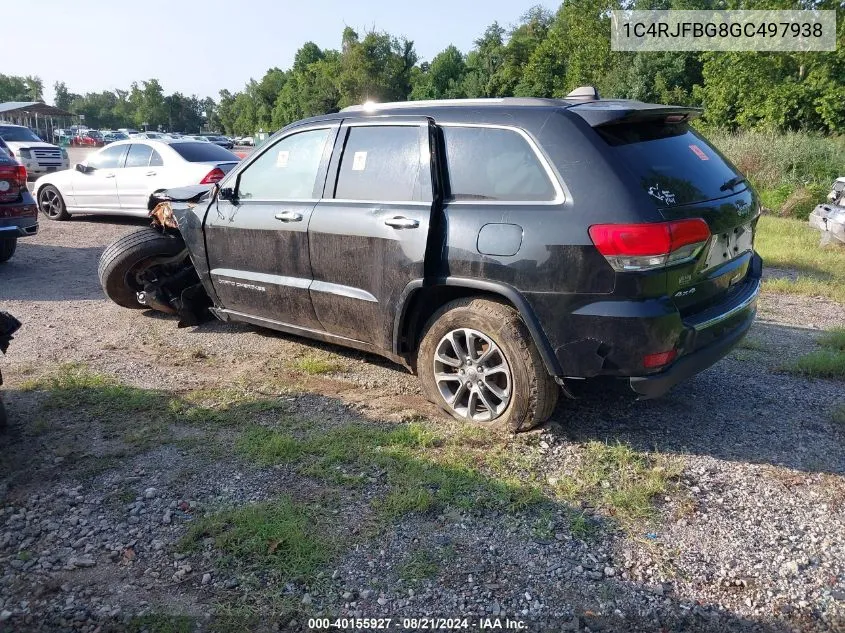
[498, 247]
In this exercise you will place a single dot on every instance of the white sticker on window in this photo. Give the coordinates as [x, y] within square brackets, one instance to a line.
[663, 195]
[282, 158]
[359, 161]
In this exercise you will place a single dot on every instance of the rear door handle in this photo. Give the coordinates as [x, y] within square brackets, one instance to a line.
[402, 223]
[151, 173]
[289, 216]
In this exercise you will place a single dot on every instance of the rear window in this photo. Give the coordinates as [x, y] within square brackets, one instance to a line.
[203, 152]
[673, 164]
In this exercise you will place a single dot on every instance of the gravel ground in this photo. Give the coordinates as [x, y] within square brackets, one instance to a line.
[750, 538]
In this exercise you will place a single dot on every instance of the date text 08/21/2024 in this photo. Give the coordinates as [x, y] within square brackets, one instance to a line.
[416, 624]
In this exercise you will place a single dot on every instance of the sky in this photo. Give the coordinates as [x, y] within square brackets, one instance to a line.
[201, 46]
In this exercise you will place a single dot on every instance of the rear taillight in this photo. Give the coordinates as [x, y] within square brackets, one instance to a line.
[629, 247]
[215, 175]
[12, 182]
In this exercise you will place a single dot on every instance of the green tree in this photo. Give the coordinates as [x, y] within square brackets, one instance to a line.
[442, 79]
[484, 61]
[376, 68]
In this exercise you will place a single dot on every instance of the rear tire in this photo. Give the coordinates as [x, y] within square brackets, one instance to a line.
[128, 255]
[52, 204]
[8, 246]
[522, 394]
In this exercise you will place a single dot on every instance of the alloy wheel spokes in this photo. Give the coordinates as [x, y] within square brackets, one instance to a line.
[472, 375]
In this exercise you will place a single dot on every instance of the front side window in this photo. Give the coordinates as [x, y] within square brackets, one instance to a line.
[380, 163]
[286, 171]
[109, 158]
[494, 164]
[139, 155]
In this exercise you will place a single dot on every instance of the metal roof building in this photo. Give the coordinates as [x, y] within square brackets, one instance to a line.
[36, 115]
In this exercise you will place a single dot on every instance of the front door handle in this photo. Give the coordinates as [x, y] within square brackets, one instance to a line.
[289, 216]
[109, 176]
[402, 223]
[151, 173]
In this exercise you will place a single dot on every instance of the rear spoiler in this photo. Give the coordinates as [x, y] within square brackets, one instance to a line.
[599, 113]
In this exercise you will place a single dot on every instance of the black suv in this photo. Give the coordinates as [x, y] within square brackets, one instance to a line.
[501, 248]
[18, 212]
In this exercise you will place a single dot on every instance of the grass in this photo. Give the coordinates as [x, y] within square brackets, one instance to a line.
[823, 363]
[792, 244]
[833, 339]
[828, 362]
[281, 534]
[792, 171]
[425, 469]
[75, 386]
[619, 480]
[315, 365]
[421, 564]
[752, 344]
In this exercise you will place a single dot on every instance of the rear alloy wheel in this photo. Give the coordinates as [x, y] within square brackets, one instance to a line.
[472, 375]
[8, 246]
[478, 363]
[52, 204]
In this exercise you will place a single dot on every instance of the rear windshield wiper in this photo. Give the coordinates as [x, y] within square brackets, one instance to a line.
[733, 182]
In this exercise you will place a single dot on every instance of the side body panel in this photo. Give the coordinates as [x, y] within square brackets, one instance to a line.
[361, 263]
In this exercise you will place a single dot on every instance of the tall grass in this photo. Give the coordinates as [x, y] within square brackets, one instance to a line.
[792, 171]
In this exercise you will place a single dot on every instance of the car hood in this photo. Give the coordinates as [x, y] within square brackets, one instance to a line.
[30, 145]
[178, 194]
[58, 178]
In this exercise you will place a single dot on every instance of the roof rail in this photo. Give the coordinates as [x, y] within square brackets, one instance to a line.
[371, 106]
[584, 93]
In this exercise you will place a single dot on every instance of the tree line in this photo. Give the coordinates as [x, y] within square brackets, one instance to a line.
[544, 55]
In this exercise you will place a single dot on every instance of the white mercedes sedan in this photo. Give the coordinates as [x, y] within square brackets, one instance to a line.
[119, 178]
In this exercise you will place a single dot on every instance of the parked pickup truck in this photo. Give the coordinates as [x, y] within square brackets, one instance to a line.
[504, 249]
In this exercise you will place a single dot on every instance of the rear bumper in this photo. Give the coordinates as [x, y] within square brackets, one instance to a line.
[18, 227]
[712, 336]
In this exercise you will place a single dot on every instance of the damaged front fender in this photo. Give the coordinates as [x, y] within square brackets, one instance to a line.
[183, 210]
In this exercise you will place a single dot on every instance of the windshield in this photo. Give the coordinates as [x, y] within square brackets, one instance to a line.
[17, 134]
[674, 164]
[203, 152]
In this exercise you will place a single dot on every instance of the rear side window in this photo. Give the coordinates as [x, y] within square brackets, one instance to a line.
[380, 163]
[139, 155]
[673, 164]
[199, 152]
[494, 164]
[155, 159]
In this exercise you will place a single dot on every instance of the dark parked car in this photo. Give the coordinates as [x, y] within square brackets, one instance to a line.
[18, 212]
[501, 248]
[222, 141]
